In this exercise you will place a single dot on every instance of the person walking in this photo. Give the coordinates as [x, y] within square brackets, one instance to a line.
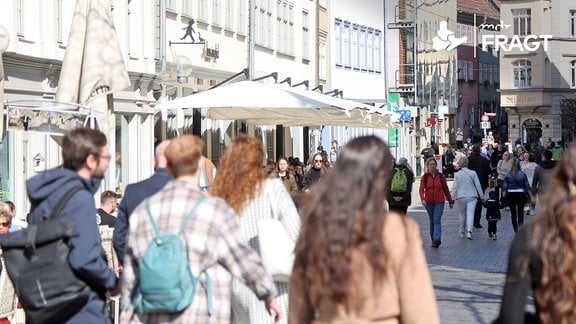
[503, 168]
[448, 161]
[541, 259]
[108, 204]
[493, 215]
[459, 139]
[8, 298]
[85, 156]
[254, 196]
[466, 189]
[135, 193]
[542, 172]
[315, 173]
[399, 201]
[433, 193]
[212, 239]
[481, 166]
[516, 189]
[288, 179]
[355, 262]
[529, 167]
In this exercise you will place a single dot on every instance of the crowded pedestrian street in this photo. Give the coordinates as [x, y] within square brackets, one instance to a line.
[468, 275]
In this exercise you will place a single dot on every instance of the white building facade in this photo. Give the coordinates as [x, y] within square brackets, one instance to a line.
[161, 66]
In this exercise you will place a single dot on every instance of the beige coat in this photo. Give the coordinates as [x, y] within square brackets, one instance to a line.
[7, 294]
[406, 295]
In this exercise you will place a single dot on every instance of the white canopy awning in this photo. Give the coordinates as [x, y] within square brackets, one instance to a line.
[263, 104]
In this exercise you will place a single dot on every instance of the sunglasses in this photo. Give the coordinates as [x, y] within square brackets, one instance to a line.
[5, 224]
[317, 160]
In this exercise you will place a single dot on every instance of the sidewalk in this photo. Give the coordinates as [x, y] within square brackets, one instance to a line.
[468, 275]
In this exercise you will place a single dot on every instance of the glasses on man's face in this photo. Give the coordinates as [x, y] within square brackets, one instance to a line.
[107, 157]
[5, 224]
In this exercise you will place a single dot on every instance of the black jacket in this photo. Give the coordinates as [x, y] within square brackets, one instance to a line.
[405, 198]
[482, 168]
[133, 195]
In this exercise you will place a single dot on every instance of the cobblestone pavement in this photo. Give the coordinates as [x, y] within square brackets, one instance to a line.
[468, 275]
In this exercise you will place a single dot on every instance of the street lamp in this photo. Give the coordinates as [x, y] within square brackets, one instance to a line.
[183, 68]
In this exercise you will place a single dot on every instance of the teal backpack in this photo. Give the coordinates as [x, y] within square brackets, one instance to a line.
[166, 283]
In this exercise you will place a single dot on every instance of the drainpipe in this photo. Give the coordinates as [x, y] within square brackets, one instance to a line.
[251, 31]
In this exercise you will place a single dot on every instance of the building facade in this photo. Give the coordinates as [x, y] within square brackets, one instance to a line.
[537, 67]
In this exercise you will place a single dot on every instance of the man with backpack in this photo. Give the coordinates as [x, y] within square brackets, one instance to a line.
[400, 193]
[86, 157]
[204, 240]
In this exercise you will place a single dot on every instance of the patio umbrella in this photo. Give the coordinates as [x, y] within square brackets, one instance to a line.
[263, 104]
[93, 65]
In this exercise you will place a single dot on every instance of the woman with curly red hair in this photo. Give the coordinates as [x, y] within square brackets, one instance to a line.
[253, 195]
[355, 262]
[543, 254]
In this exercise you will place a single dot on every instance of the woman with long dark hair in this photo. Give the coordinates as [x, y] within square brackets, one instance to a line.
[516, 189]
[355, 262]
[543, 254]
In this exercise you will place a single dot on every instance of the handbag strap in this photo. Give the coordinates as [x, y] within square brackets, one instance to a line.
[271, 199]
[55, 213]
[474, 184]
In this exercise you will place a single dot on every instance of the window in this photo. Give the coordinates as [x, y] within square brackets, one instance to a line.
[522, 73]
[461, 70]
[346, 45]
[187, 7]
[305, 36]
[572, 23]
[355, 39]
[362, 51]
[241, 17]
[470, 70]
[285, 27]
[19, 17]
[216, 14]
[370, 50]
[322, 59]
[203, 10]
[377, 54]
[573, 74]
[170, 5]
[59, 24]
[481, 68]
[229, 14]
[338, 41]
[522, 19]
[263, 23]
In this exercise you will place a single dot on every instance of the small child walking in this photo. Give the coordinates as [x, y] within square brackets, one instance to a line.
[493, 215]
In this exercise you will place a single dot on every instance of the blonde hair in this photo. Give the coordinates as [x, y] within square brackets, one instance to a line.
[6, 211]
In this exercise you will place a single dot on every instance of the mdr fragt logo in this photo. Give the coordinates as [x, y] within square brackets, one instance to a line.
[447, 40]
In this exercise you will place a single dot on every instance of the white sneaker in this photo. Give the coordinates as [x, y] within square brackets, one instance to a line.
[494, 237]
[469, 236]
[461, 234]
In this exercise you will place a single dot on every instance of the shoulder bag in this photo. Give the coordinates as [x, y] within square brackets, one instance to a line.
[37, 263]
[276, 246]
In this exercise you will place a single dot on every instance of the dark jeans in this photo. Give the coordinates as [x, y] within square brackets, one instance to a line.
[516, 201]
[492, 226]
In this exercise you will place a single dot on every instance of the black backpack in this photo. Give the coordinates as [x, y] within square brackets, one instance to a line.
[37, 263]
